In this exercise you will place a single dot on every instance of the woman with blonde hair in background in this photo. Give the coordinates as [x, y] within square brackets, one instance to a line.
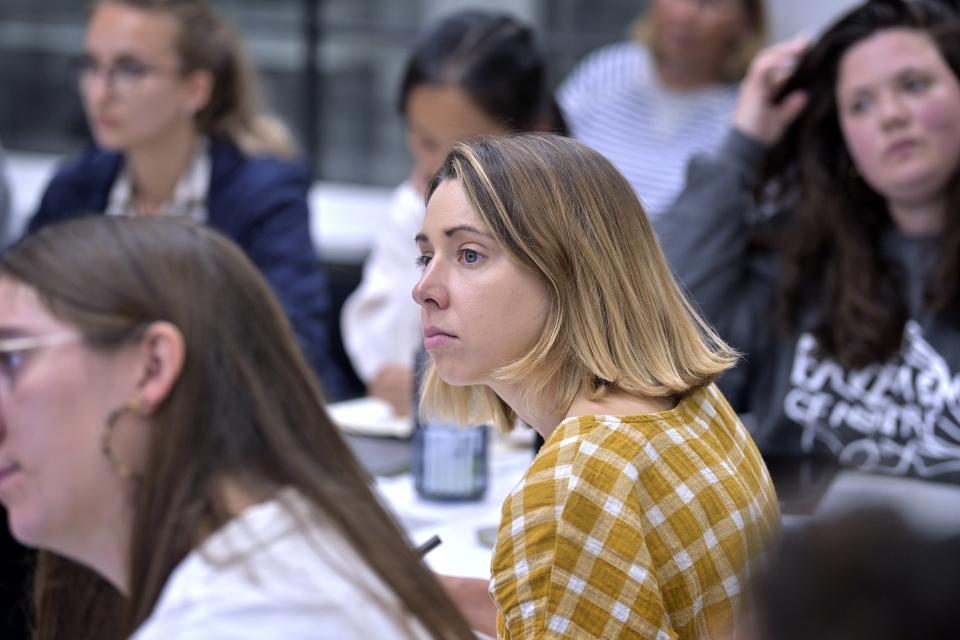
[650, 103]
[172, 103]
[545, 298]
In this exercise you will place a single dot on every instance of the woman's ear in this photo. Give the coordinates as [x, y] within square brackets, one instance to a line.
[163, 351]
[199, 85]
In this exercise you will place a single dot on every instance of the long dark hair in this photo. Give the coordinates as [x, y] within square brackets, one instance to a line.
[833, 263]
[495, 60]
[245, 406]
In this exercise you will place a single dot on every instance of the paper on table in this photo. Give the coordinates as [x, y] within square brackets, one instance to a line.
[370, 417]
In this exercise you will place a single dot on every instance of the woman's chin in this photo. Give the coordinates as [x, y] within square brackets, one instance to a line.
[455, 377]
[110, 140]
[23, 529]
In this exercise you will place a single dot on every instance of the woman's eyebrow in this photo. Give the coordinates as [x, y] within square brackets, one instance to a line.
[464, 227]
[451, 231]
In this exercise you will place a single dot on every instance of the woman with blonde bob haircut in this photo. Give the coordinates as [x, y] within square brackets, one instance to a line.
[545, 298]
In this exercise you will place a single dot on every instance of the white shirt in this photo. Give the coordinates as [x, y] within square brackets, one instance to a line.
[189, 196]
[267, 574]
[380, 322]
[614, 102]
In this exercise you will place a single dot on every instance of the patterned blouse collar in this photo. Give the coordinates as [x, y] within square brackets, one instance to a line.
[189, 196]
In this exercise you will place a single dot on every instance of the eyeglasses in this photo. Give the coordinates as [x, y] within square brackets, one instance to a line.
[13, 352]
[121, 76]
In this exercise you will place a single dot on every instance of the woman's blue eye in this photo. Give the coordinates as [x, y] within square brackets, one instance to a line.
[470, 256]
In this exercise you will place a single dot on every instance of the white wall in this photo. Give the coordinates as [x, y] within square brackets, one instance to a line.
[788, 17]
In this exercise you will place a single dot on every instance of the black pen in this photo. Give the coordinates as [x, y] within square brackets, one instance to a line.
[429, 546]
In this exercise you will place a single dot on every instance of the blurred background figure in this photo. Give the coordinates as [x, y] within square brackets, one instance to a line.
[168, 451]
[650, 103]
[5, 200]
[473, 74]
[823, 241]
[863, 575]
[173, 106]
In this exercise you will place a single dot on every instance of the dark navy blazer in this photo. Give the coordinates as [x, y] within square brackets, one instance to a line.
[259, 202]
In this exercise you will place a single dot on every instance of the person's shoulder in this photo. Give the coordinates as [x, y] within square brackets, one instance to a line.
[243, 174]
[80, 184]
[90, 164]
[279, 569]
[595, 448]
[406, 195]
[244, 188]
[623, 55]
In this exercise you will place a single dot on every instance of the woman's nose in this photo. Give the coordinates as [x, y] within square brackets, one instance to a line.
[892, 109]
[431, 288]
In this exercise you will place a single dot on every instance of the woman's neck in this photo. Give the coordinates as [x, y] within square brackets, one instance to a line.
[680, 76]
[614, 402]
[156, 169]
[543, 422]
[617, 402]
[918, 219]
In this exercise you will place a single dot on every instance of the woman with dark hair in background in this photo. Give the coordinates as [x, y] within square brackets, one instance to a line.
[867, 574]
[474, 73]
[650, 103]
[166, 446]
[846, 301]
[172, 103]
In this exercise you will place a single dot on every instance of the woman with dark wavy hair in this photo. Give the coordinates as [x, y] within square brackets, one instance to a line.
[842, 291]
[474, 73]
[165, 444]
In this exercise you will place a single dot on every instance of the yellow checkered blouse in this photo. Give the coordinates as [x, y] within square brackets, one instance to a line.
[635, 527]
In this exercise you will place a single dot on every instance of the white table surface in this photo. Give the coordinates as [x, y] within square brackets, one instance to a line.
[458, 524]
[931, 506]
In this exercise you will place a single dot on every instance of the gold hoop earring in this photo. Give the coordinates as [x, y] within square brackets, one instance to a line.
[121, 469]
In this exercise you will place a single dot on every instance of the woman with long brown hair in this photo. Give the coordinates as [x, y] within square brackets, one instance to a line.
[166, 446]
[843, 291]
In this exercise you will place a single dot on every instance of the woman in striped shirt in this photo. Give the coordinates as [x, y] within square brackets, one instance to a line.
[650, 103]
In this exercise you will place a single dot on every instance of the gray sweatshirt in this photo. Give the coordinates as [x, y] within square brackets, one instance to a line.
[900, 417]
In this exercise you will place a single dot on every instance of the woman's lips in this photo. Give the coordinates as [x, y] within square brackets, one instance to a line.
[8, 472]
[434, 338]
[902, 148]
[437, 340]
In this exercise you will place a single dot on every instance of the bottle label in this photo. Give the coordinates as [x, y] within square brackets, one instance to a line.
[450, 462]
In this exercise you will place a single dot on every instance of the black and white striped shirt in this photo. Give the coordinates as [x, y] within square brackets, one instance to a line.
[613, 101]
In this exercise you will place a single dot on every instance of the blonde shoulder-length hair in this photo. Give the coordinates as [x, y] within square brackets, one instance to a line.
[616, 318]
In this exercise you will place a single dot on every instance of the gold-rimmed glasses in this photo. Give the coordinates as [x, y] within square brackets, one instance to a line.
[13, 351]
